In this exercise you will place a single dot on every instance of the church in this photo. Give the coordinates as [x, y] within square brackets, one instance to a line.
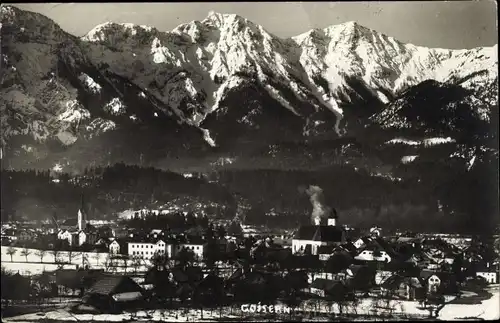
[309, 238]
[75, 233]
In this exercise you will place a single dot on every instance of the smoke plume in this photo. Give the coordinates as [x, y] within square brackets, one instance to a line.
[320, 210]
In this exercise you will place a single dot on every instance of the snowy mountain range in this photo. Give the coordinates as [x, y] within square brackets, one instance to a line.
[219, 79]
[223, 93]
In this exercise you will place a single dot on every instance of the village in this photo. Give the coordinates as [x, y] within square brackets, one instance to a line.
[324, 269]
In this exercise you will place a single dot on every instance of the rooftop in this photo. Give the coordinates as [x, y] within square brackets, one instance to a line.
[320, 233]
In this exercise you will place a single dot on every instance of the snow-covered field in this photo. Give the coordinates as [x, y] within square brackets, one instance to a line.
[157, 315]
[32, 268]
[487, 310]
[34, 265]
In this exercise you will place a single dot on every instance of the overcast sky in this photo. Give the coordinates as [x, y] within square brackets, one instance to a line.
[452, 24]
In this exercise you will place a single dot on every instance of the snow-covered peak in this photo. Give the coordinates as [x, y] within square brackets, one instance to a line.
[97, 33]
[221, 19]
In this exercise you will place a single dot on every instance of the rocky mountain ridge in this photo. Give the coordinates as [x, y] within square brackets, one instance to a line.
[188, 74]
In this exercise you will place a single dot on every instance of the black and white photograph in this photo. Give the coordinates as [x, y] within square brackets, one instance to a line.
[249, 161]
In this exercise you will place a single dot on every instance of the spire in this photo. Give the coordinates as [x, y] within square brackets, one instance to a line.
[82, 215]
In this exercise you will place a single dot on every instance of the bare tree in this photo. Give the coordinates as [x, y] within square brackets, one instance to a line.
[136, 263]
[85, 259]
[55, 252]
[113, 265]
[125, 264]
[25, 252]
[11, 252]
[70, 255]
[59, 262]
[106, 263]
[96, 256]
[41, 253]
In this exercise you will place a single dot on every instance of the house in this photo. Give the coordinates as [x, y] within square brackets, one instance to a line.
[380, 250]
[147, 249]
[490, 276]
[362, 242]
[408, 288]
[198, 248]
[114, 247]
[489, 273]
[310, 237]
[325, 252]
[323, 287]
[65, 235]
[382, 275]
[27, 235]
[10, 233]
[432, 280]
[78, 238]
[439, 281]
[320, 285]
[369, 254]
[91, 237]
[111, 292]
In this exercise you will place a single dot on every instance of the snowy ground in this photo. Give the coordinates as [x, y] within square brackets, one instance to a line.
[488, 309]
[181, 315]
[35, 265]
[157, 315]
[24, 268]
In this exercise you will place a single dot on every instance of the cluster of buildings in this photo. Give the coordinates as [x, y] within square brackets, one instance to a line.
[434, 257]
[397, 264]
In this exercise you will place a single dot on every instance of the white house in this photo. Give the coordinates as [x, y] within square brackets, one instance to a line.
[114, 247]
[65, 235]
[197, 248]
[370, 255]
[147, 250]
[433, 280]
[490, 276]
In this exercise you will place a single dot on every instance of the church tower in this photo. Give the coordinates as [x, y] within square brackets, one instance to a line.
[82, 221]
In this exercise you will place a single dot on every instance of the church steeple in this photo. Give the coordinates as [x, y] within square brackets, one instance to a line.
[82, 218]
